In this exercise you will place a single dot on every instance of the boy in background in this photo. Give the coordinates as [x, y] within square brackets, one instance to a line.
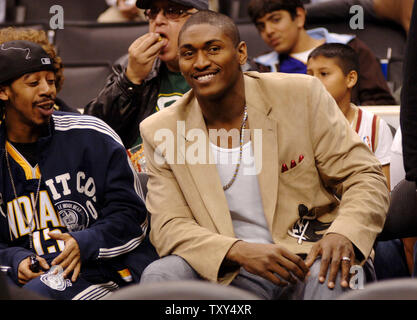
[336, 66]
[281, 24]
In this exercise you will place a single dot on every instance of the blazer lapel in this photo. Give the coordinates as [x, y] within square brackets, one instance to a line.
[205, 175]
[265, 147]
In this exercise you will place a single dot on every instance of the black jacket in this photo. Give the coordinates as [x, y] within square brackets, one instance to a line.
[408, 114]
[123, 104]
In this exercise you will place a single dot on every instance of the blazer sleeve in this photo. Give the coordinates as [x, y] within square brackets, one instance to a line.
[345, 163]
[174, 229]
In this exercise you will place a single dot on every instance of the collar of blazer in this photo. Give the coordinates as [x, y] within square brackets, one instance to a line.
[265, 144]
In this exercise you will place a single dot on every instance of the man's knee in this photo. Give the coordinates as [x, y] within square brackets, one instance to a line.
[314, 290]
[169, 268]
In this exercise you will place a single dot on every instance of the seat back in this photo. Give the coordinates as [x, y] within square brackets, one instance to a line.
[249, 34]
[236, 9]
[4, 288]
[83, 82]
[398, 289]
[90, 42]
[401, 219]
[78, 10]
[181, 290]
[10, 291]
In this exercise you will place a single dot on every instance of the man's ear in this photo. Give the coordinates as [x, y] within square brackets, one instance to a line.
[300, 16]
[351, 79]
[242, 50]
[4, 93]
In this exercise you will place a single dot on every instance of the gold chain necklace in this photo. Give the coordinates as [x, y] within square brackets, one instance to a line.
[34, 212]
[242, 129]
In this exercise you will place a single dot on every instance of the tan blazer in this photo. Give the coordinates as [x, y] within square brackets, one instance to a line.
[189, 211]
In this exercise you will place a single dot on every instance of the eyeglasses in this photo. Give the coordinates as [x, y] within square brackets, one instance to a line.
[171, 13]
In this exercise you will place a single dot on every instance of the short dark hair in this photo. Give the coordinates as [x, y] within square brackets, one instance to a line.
[344, 55]
[225, 23]
[258, 8]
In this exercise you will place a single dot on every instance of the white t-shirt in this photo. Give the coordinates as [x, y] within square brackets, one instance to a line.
[397, 171]
[374, 132]
[244, 196]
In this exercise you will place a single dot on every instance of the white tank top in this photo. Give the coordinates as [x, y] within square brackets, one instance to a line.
[243, 197]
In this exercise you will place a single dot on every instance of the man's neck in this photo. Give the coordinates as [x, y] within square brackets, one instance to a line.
[306, 42]
[22, 134]
[225, 116]
[225, 113]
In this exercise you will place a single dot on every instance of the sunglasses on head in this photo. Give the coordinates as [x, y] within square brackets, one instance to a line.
[171, 13]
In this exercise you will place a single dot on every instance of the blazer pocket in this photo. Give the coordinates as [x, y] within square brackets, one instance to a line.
[302, 178]
[295, 171]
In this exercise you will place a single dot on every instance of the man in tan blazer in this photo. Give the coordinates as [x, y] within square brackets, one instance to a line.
[301, 194]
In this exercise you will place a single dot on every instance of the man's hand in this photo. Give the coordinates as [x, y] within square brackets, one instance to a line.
[332, 248]
[24, 274]
[70, 258]
[268, 261]
[142, 54]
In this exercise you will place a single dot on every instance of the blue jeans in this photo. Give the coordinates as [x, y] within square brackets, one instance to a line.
[174, 268]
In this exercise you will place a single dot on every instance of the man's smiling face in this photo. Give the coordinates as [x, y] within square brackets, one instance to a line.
[209, 60]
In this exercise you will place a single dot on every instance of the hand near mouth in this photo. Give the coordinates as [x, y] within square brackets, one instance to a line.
[142, 54]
